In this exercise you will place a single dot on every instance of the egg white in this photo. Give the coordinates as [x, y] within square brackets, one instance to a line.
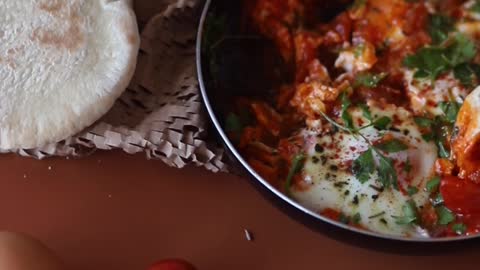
[328, 182]
[425, 98]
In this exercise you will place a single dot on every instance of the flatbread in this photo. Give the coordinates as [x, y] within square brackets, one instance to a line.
[63, 63]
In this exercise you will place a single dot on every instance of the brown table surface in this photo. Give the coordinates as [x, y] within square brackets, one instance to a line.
[120, 212]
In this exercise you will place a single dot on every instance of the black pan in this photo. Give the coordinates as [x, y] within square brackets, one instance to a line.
[231, 54]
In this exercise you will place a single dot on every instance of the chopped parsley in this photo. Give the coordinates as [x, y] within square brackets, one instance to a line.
[392, 146]
[439, 27]
[438, 200]
[410, 214]
[450, 110]
[366, 111]
[459, 228]
[297, 165]
[364, 166]
[369, 80]
[445, 216]
[412, 190]
[382, 123]
[346, 117]
[440, 126]
[433, 184]
[431, 62]
[423, 122]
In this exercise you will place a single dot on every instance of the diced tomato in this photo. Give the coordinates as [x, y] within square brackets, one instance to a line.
[331, 214]
[460, 195]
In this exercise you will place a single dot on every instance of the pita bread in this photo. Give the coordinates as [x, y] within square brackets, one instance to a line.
[63, 63]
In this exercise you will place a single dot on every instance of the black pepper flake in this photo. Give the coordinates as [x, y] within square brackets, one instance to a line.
[375, 197]
[315, 160]
[394, 129]
[384, 221]
[378, 189]
[347, 192]
[355, 200]
[319, 148]
[323, 159]
[340, 184]
[334, 168]
[406, 132]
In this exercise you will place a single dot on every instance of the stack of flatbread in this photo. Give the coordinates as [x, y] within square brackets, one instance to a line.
[63, 63]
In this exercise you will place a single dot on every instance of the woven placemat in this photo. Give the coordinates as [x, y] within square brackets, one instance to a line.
[160, 113]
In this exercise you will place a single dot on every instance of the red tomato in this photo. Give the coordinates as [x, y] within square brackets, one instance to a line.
[461, 196]
[172, 264]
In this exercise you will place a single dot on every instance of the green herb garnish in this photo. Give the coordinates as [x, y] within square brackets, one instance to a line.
[346, 117]
[445, 216]
[410, 214]
[382, 123]
[392, 146]
[431, 62]
[366, 111]
[459, 228]
[356, 218]
[423, 122]
[369, 80]
[296, 167]
[412, 190]
[364, 166]
[438, 200]
[439, 27]
[450, 110]
[433, 184]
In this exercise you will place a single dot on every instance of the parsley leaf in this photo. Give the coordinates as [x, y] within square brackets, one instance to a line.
[382, 123]
[445, 216]
[438, 200]
[464, 73]
[450, 109]
[432, 184]
[392, 146]
[366, 111]
[296, 167]
[364, 166]
[439, 27]
[460, 51]
[408, 166]
[346, 117]
[387, 174]
[430, 62]
[423, 122]
[459, 228]
[412, 190]
[369, 80]
[410, 214]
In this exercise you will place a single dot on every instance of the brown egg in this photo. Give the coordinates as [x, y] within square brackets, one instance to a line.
[22, 252]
